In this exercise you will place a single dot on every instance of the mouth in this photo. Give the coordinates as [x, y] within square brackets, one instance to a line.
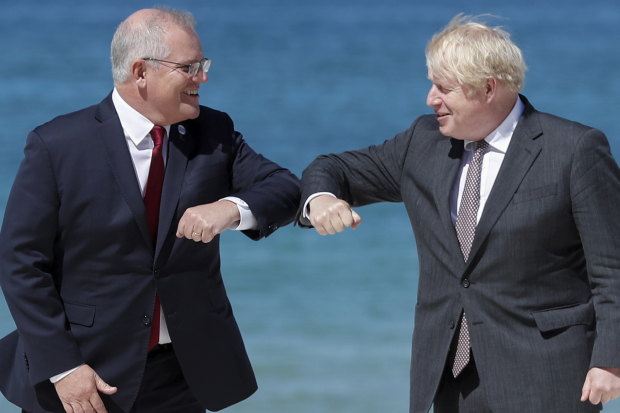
[191, 92]
[441, 115]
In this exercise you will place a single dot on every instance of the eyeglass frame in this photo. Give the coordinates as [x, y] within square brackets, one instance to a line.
[204, 63]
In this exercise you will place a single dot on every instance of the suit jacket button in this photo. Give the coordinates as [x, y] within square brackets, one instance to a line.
[452, 325]
[465, 283]
[146, 320]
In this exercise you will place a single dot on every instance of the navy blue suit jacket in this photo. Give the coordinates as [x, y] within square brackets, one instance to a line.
[80, 273]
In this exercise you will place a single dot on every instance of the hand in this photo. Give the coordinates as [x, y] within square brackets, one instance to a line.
[203, 222]
[78, 391]
[329, 215]
[601, 385]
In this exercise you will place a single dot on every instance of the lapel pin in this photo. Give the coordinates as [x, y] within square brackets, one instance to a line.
[181, 129]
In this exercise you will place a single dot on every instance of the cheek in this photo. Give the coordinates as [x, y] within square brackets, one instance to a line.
[166, 96]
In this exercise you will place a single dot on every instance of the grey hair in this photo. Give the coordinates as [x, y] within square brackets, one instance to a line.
[135, 40]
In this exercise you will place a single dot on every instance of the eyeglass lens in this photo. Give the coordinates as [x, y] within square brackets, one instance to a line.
[197, 66]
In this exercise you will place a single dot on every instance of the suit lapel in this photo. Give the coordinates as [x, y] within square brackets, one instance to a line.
[178, 149]
[111, 135]
[447, 169]
[521, 154]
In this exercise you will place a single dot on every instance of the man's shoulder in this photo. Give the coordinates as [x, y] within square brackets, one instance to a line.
[551, 124]
[209, 118]
[208, 114]
[425, 130]
[424, 123]
[210, 122]
[76, 121]
[428, 122]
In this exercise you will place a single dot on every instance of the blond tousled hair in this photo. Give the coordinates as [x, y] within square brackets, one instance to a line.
[469, 52]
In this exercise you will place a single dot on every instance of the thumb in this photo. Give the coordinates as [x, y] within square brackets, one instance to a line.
[357, 219]
[104, 387]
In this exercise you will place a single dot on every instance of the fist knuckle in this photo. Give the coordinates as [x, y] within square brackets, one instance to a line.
[318, 220]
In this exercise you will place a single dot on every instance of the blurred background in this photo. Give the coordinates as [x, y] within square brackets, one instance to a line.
[327, 320]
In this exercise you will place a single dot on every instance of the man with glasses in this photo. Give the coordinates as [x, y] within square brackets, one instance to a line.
[109, 251]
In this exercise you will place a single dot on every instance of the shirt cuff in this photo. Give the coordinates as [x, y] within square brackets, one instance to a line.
[248, 220]
[61, 376]
[310, 198]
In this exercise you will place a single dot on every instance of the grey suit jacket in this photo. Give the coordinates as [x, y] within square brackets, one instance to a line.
[542, 286]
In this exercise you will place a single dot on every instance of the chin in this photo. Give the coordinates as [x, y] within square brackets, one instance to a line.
[194, 113]
[444, 131]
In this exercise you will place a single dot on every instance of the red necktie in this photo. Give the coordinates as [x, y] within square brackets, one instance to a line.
[152, 198]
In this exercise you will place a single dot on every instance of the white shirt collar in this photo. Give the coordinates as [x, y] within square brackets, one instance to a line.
[135, 125]
[499, 139]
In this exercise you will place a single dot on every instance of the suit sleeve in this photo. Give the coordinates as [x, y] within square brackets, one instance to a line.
[271, 191]
[28, 257]
[595, 189]
[359, 177]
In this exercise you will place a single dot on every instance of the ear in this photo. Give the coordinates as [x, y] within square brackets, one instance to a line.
[138, 70]
[490, 88]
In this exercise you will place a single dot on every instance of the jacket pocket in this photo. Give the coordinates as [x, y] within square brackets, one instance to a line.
[80, 314]
[562, 317]
[535, 193]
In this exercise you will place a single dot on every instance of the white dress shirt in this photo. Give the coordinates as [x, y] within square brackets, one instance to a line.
[137, 130]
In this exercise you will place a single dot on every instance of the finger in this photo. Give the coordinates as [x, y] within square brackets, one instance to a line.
[77, 408]
[208, 231]
[87, 407]
[337, 224]
[195, 235]
[67, 407]
[207, 236]
[321, 223]
[103, 387]
[595, 396]
[327, 229]
[585, 391]
[343, 219]
[320, 229]
[181, 227]
[349, 217]
[97, 404]
[332, 223]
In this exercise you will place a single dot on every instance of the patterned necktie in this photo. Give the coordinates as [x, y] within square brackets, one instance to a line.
[465, 230]
[152, 199]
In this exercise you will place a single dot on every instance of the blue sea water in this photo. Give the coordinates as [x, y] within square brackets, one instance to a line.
[327, 320]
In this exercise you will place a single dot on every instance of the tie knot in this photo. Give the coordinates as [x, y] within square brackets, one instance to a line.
[481, 146]
[157, 134]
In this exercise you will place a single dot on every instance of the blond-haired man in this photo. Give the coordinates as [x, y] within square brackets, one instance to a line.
[514, 214]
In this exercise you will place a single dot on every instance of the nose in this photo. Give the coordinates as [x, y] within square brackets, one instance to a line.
[201, 77]
[433, 99]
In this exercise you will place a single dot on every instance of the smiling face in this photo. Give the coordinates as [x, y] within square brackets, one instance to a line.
[460, 115]
[169, 94]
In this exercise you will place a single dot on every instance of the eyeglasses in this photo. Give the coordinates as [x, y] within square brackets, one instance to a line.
[191, 69]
